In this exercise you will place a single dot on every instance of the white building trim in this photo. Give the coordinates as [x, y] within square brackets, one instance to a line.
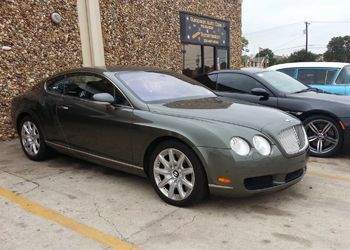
[91, 33]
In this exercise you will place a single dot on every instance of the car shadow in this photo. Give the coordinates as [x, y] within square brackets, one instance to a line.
[260, 203]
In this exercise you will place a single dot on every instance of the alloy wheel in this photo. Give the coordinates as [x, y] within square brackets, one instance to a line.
[323, 136]
[174, 174]
[30, 138]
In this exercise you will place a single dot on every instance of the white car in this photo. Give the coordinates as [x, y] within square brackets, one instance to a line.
[328, 76]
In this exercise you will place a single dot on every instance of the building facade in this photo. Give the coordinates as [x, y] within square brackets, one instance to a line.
[41, 37]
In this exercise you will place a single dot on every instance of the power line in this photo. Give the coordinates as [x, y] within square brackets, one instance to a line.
[330, 22]
[314, 46]
[292, 40]
[290, 24]
[272, 28]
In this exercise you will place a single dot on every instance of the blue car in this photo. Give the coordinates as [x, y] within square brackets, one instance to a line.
[328, 76]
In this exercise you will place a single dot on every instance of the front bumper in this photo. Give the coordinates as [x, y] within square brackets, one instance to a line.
[251, 174]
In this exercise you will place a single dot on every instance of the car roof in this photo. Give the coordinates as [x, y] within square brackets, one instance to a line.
[102, 69]
[242, 70]
[309, 65]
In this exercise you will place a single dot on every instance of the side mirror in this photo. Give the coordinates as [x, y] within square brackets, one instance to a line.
[261, 92]
[103, 97]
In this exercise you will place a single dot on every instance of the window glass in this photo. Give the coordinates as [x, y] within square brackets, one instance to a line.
[237, 83]
[222, 59]
[208, 59]
[330, 76]
[153, 86]
[192, 60]
[85, 85]
[289, 72]
[316, 76]
[77, 85]
[344, 76]
[56, 85]
[282, 82]
[208, 80]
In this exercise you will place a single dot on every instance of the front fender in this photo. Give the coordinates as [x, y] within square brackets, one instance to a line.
[149, 127]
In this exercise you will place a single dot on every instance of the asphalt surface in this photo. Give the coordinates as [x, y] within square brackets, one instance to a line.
[65, 203]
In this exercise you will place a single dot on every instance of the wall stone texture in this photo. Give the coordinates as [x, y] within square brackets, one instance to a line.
[135, 32]
[147, 33]
[38, 48]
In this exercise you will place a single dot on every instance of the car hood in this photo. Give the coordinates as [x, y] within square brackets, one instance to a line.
[324, 97]
[228, 111]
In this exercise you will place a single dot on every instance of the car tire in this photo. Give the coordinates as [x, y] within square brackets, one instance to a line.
[32, 140]
[324, 134]
[177, 174]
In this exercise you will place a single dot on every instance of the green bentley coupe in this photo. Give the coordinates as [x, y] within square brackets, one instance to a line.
[167, 127]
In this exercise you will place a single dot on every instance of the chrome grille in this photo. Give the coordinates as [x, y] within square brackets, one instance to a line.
[293, 139]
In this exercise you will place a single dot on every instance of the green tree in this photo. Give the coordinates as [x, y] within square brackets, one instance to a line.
[338, 49]
[269, 54]
[301, 56]
[245, 43]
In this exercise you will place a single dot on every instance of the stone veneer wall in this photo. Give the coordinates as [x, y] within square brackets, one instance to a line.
[140, 32]
[38, 48]
[136, 32]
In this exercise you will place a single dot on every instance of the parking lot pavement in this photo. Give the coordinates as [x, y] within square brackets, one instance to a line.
[64, 203]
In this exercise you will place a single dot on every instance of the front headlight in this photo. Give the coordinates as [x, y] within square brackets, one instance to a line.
[261, 145]
[240, 146]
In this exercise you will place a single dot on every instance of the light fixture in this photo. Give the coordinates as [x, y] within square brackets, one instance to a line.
[56, 18]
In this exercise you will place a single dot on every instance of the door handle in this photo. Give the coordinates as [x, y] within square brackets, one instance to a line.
[65, 107]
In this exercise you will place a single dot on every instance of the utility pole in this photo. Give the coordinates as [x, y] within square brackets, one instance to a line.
[307, 38]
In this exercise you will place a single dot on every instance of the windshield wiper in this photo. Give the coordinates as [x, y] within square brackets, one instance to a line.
[308, 89]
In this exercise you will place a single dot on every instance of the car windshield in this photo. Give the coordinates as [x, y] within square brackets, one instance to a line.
[282, 82]
[155, 87]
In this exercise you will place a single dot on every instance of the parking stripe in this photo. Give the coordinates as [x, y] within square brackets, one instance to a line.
[331, 177]
[47, 213]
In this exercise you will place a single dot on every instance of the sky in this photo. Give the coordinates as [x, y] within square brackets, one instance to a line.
[279, 24]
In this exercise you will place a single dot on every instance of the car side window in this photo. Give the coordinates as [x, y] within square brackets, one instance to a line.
[289, 72]
[344, 76]
[85, 86]
[237, 83]
[55, 85]
[316, 76]
[208, 80]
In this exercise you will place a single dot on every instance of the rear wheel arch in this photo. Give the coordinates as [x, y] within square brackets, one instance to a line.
[20, 118]
[31, 114]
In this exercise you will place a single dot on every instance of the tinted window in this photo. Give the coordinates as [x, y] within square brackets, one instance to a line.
[84, 85]
[79, 85]
[289, 72]
[344, 76]
[208, 80]
[316, 76]
[55, 85]
[237, 83]
[153, 86]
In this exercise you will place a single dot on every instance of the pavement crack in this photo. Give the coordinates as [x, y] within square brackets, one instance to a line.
[37, 185]
[183, 225]
[109, 222]
[171, 233]
[152, 223]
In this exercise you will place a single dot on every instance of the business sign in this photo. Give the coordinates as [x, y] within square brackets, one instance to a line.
[204, 30]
